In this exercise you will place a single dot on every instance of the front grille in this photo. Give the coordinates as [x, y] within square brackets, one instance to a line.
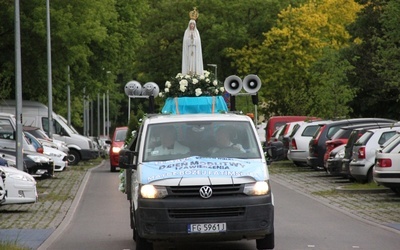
[193, 191]
[206, 213]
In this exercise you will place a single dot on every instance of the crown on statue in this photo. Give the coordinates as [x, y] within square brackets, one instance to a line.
[194, 14]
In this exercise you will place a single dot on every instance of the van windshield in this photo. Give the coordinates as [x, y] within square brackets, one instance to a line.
[214, 139]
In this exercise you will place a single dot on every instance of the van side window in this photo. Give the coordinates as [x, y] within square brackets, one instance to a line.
[57, 129]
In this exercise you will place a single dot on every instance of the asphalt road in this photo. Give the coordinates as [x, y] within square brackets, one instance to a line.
[101, 221]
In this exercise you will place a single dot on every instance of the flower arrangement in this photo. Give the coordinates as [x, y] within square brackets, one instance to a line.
[192, 86]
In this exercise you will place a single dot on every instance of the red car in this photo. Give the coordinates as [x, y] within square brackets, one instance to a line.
[117, 143]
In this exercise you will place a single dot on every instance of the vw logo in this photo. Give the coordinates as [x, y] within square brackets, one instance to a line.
[205, 192]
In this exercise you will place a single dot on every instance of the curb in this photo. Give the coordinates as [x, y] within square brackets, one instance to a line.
[71, 211]
[345, 189]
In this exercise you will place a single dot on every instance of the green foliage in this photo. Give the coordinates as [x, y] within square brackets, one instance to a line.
[311, 55]
[284, 60]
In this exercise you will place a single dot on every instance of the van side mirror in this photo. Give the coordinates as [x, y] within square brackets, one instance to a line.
[126, 159]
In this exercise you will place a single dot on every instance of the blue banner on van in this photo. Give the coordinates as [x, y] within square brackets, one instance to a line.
[195, 105]
[197, 166]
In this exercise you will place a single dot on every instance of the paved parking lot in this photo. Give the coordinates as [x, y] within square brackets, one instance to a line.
[30, 225]
[380, 206]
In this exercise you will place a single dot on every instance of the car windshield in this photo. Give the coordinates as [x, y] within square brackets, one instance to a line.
[120, 135]
[207, 139]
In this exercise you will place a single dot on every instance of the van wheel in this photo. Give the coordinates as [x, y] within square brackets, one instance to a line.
[141, 243]
[73, 157]
[268, 242]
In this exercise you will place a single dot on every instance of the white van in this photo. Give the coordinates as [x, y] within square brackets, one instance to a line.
[210, 182]
[36, 114]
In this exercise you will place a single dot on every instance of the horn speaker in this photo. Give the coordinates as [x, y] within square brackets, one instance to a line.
[150, 89]
[233, 84]
[251, 84]
[133, 88]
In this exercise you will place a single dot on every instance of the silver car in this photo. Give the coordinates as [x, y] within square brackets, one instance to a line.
[364, 152]
[298, 145]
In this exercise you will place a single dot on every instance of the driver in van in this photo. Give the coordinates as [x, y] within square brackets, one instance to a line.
[223, 141]
[169, 144]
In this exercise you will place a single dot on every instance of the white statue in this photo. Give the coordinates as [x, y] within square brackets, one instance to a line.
[192, 57]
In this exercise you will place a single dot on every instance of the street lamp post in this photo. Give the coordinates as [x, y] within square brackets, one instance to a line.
[215, 66]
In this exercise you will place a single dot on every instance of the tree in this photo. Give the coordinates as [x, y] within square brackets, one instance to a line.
[283, 61]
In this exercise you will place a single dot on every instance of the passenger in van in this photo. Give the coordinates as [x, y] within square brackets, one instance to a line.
[223, 141]
[169, 144]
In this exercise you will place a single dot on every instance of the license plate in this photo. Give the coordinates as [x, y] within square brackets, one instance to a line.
[207, 228]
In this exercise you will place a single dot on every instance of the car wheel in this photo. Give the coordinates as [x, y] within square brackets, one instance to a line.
[268, 242]
[73, 157]
[370, 177]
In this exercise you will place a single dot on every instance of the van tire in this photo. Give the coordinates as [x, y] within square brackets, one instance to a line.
[73, 157]
[268, 242]
[141, 243]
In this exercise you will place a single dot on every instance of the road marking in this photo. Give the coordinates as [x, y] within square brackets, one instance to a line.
[356, 247]
[311, 246]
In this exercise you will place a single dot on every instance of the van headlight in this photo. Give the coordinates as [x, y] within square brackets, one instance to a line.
[153, 192]
[257, 188]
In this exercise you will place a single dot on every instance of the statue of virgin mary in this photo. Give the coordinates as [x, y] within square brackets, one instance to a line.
[192, 57]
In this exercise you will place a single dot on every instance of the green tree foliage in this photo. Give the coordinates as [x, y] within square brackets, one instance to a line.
[284, 60]
[98, 40]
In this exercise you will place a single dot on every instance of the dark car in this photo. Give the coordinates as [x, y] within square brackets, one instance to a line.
[35, 164]
[317, 145]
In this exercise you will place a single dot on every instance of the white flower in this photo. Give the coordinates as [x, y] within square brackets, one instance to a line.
[202, 77]
[183, 83]
[188, 76]
[215, 82]
[195, 81]
[216, 91]
[166, 90]
[198, 91]
[179, 75]
[161, 94]
[182, 88]
[168, 84]
[222, 89]
[206, 73]
[208, 80]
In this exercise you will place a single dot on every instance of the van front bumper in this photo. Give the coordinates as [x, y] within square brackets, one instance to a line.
[245, 217]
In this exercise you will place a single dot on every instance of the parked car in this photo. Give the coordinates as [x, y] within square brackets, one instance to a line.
[35, 164]
[16, 187]
[299, 143]
[343, 134]
[386, 172]
[60, 158]
[284, 135]
[364, 152]
[117, 143]
[275, 122]
[338, 164]
[317, 145]
[334, 163]
[104, 146]
[45, 140]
